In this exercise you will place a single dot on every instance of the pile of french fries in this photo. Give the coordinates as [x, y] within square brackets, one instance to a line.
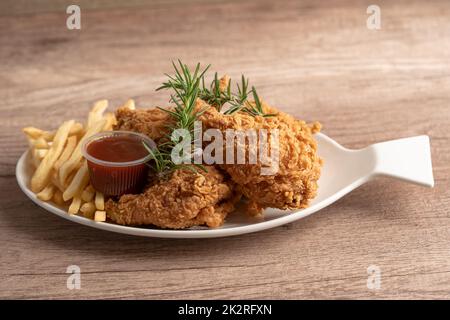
[61, 172]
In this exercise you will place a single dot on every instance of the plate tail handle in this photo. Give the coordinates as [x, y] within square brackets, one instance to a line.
[407, 159]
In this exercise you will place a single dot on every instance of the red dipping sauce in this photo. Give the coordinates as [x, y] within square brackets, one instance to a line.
[117, 161]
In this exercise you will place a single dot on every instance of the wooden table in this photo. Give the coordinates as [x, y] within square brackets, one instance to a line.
[315, 60]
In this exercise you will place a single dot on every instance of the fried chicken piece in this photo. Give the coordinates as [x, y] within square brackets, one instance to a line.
[151, 122]
[295, 182]
[292, 186]
[184, 200]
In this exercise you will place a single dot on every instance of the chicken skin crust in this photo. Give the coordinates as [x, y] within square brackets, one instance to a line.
[178, 201]
[184, 200]
[295, 183]
[151, 122]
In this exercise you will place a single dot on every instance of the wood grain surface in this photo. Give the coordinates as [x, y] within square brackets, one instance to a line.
[316, 60]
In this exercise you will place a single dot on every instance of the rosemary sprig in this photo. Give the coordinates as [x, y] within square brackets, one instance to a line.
[161, 161]
[255, 109]
[218, 98]
[238, 101]
[186, 86]
[163, 164]
[214, 95]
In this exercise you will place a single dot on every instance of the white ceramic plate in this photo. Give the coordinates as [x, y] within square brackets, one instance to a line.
[344, 170]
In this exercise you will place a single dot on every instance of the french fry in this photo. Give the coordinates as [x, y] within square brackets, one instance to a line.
[70, 146]
[96, 113]
[32, 155]
[70, 178]
[100, 216]
[32, 132]
[88, 194]
[35, 159]
[42, 175]
[31, 142]
[47, 193]
[74, 206]
[88, 209]
[57, 198]
[54, 179]
[61, 172]
[35, 133]
[110, 121]
[40, 153]
[80, 134]
[99, 201]
[35, 154]
[76, 129]
[78, 183]
[76, 156]
[130, 104]
[40, 143]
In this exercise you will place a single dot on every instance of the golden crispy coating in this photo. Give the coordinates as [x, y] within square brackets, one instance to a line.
[184, 200]
[151, 122]
[295, 183]
[187, 199]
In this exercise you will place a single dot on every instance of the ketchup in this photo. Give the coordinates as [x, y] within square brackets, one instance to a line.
[117, 162]
[117, 148]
